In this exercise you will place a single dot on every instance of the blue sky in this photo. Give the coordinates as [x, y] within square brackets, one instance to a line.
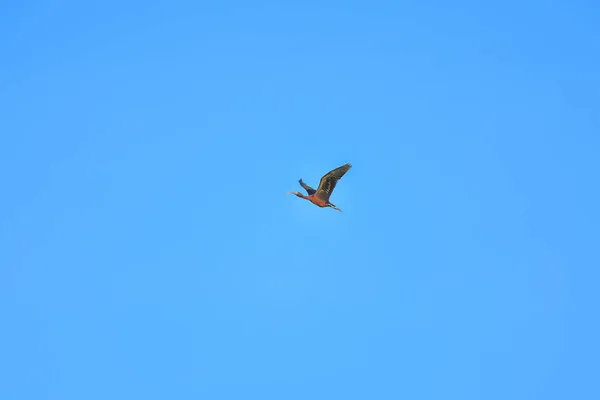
[148, 249]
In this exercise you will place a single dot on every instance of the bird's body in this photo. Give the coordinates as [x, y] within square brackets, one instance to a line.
[320, 196]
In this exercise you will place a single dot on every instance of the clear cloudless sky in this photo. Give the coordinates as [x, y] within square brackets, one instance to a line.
[148, 249]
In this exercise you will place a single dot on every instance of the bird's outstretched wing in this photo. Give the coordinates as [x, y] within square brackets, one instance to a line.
[308, 189]
[329, 180]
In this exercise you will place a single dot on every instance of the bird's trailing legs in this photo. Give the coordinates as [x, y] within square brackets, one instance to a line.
[334, 207]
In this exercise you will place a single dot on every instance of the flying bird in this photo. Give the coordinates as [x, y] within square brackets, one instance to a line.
[320, 196]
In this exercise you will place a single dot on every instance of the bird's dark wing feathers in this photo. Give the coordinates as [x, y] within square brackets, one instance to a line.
[308, 189]
[329, 181]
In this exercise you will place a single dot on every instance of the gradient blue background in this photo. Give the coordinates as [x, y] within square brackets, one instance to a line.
[148, 249]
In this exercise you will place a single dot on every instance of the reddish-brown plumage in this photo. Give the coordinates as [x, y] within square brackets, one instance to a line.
[315, 200]
[320, 196]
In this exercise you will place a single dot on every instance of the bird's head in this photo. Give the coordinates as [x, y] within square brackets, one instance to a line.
[295, 193]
